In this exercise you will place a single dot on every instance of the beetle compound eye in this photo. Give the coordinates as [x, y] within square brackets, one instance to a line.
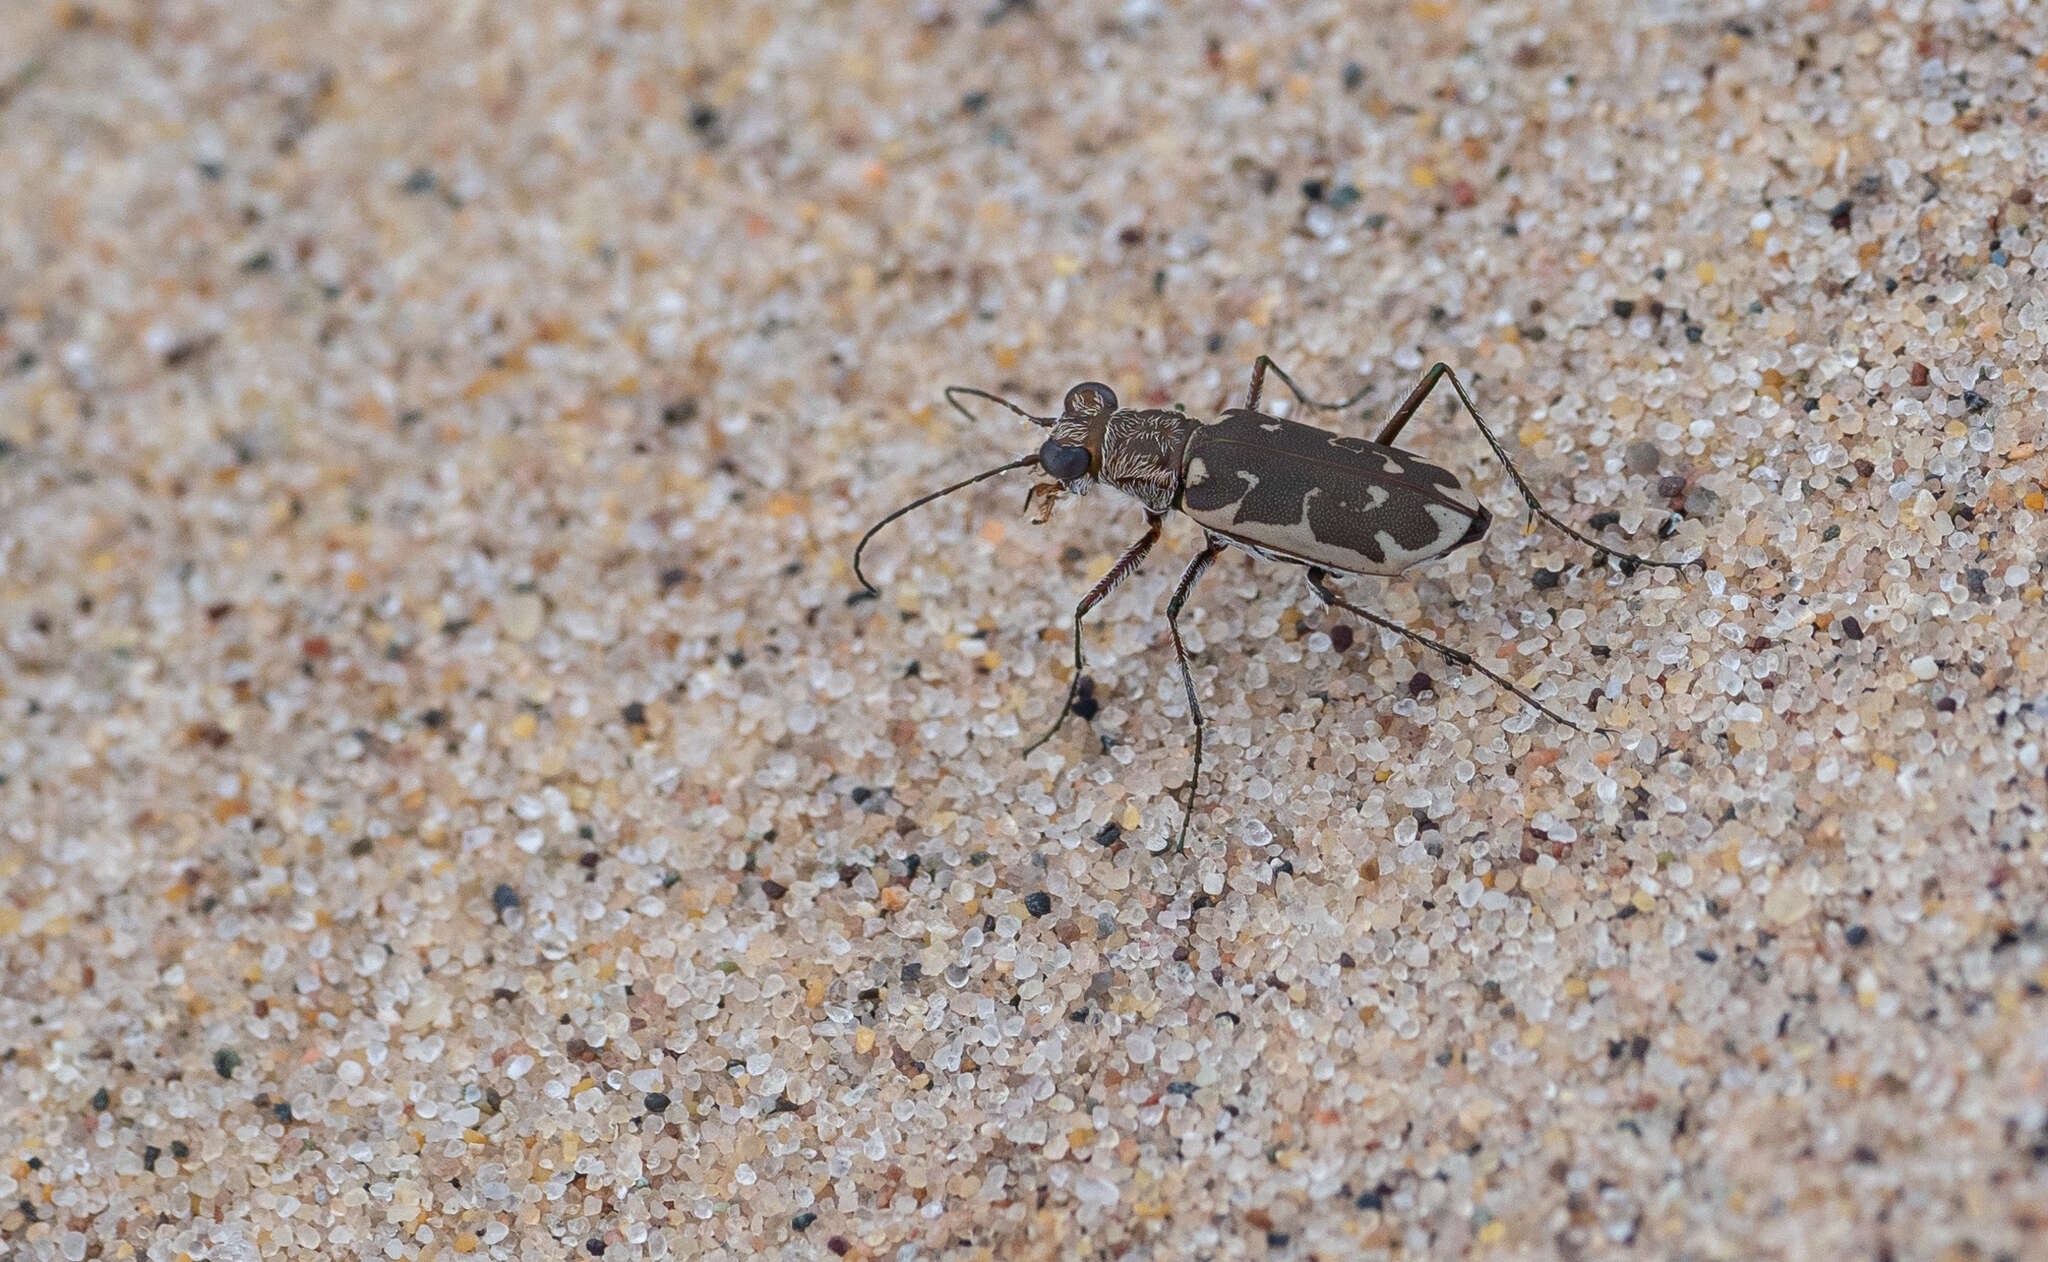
[1090, 398]
[1068, 464]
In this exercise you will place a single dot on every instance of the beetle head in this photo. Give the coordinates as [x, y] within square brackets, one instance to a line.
[1074, 451]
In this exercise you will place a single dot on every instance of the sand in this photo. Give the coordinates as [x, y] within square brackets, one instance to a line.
[452, 805]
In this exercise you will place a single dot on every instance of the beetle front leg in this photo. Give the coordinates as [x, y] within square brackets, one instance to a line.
[1319, 579]
[1187, 676]
[1103, 587]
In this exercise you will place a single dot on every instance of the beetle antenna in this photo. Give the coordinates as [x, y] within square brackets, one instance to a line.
[1043, 422]
[923, 500]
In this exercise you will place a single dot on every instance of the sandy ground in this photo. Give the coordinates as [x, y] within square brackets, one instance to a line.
[449, 804]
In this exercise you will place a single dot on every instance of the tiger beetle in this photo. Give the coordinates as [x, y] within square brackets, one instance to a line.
[1276, 488]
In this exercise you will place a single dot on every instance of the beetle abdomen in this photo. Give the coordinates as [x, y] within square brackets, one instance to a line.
[1299, 493]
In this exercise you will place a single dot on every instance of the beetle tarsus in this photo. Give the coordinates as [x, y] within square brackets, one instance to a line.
[1440, 371]
[1103, 587]
[1188, 578]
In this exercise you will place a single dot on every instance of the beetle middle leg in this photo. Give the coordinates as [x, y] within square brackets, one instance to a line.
[1103, 587]
[1181, 592]
[1403, 414]
[1319, 579]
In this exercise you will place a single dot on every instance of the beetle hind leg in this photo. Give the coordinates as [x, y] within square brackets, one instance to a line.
[1319, 579]
[1403, 414]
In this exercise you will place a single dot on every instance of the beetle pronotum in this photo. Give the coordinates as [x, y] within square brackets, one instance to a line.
[1273, 487]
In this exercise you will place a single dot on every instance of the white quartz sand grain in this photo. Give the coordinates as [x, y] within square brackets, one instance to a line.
[449, 804]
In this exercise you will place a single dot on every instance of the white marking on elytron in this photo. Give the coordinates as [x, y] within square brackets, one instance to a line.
[1398, 555]
[1457, 493]
[1310, 551]
[1296, 544]
[1451, 526]
[1393, 466]
[1251, 484]
[1198, 471]
[1270, 429]
[1293, 536]
[1378, 494]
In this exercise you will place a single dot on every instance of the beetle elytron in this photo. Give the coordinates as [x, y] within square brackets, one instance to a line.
[1273, 487]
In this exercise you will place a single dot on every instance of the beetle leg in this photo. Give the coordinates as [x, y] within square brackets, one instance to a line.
[1103, 587]
[1409, 405]
[1399, 420]
[1319, 580]
[1187, 676]
[1259, 367]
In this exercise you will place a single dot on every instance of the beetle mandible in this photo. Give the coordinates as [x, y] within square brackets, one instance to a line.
[1277, 489]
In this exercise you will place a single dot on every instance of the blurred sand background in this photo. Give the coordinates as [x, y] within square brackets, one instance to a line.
[449, 806]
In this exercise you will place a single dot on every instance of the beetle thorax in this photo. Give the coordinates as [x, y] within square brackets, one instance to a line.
[1140, 453]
